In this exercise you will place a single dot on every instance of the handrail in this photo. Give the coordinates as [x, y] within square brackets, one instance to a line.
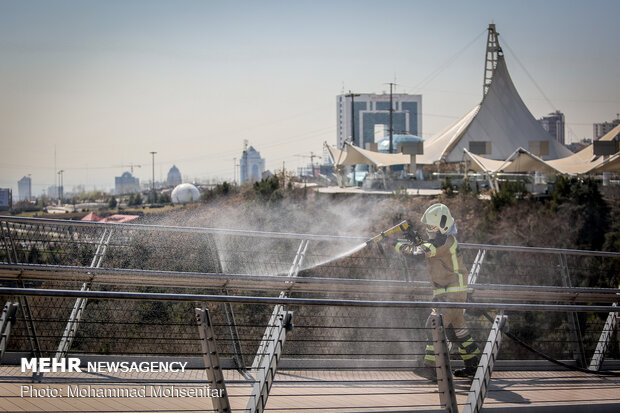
[290, 235]
[240, 232]
[239, 299]
[277, 281]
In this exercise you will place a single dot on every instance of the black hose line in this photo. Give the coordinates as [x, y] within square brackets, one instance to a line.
[549, 358]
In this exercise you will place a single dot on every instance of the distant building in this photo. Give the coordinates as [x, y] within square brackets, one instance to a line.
[6, 203]
[601, 129]
[174, 177]
[126, 184]
[24, 189]
[371, 112]
[53, 191]
[252, 165]
[578, 146]
[554, 124]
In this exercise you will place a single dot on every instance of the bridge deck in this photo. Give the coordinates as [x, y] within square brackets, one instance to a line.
[304, 391]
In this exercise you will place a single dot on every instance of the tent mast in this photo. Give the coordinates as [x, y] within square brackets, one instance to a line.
[494, 51]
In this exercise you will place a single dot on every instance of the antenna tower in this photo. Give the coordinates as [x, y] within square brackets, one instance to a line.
[494, 51]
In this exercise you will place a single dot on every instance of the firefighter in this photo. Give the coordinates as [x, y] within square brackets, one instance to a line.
[448, 278]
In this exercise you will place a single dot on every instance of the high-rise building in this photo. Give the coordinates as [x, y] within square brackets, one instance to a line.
[252, 165]
[6, 202]
[126, 184]
[371, 112]
[24, 189]
[554, 124]
[601, 129]
[174, 177]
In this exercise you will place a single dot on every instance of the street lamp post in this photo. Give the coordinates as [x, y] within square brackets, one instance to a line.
[153, 179]
[353, 96]
[391, 149]
[59, 190]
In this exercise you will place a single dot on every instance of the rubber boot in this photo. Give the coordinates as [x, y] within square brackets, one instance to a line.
[471, 366]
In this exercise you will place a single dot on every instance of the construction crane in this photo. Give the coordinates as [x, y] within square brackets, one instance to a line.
[131, 166]
[311, 156]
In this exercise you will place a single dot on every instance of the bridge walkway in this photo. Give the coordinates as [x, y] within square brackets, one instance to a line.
[312, 391]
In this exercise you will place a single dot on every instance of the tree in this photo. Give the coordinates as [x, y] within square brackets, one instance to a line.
[447, 187]
[165, 198]
[112, 203]
[220, 190]
[508, 194]
[465, 189]
[582, 204]
[268, 190]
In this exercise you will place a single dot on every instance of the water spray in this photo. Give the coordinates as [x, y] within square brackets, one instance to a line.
[405, 228]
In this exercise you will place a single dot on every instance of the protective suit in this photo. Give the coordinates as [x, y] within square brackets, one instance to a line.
[448, 277]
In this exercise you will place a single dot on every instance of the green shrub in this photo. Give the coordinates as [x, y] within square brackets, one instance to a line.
[447, 187]
[268, 190]
[508, 194]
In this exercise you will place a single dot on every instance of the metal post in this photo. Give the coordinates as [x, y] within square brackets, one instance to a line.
[353, 96]
[8, 243]
[80, 304]
[24, 303]
[269, 365]
[9, 317]
[153, 179]
[5, 242]
[391, 149]
[604, 341]
[60, 189]
[212, 360]
[475, 268]
[573, 320]
[234, 334]
[447, 396]
[271, 326]
[480, 384]
[230, 316]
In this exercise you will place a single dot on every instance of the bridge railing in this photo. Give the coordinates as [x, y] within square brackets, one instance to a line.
[58, 254]
[339, 335]
[281, 300]
[70, 255]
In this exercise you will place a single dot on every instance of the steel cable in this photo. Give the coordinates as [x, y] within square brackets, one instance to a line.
[551, 359]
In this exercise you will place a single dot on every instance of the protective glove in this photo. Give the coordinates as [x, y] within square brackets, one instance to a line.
[398, 244]
[417, 239]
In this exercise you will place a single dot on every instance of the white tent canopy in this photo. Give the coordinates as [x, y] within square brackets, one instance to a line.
[357, 156]
[585, 161]
[521, 160]
[502, 119]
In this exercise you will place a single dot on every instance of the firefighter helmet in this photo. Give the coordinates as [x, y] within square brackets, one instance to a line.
[437, 218]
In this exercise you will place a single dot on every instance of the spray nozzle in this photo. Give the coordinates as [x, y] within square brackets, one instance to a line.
[404, 227]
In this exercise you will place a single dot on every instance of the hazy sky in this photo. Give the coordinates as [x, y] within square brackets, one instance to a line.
[106, 82]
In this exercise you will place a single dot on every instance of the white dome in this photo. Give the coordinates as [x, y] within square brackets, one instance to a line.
[185, 194]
